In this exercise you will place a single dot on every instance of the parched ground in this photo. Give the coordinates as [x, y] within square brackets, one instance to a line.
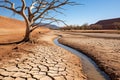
[38, 59]
[105, 51]
[43, 61]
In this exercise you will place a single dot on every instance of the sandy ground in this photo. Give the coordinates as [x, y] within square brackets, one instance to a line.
[38, 59]
[42, 61]
[105, 52]
[96, 31]
[10, 36]
[97, 35]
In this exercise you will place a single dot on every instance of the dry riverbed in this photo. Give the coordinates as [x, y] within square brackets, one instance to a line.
[43, 61]
[105, 52]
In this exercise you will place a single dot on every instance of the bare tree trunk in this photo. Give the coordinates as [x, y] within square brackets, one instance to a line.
[37, 10]
[27, 34]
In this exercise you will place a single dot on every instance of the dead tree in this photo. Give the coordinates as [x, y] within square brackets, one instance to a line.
[35, 12]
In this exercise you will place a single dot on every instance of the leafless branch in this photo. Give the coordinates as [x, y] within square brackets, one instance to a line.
[38, 10]
[23, 5]
[12, 8]
[52, 6]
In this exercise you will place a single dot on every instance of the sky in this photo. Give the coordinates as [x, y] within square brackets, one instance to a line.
[89, 12]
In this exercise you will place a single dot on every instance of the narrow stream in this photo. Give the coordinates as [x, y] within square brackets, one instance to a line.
[89, 67]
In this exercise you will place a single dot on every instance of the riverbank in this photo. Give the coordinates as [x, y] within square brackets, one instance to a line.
[105, 52]
[42, 60]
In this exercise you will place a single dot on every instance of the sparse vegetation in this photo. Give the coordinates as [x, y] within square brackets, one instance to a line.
[71, 27]
[96, 27]
[82, 27]
[90, 27]
[75, 27]
[117, 25]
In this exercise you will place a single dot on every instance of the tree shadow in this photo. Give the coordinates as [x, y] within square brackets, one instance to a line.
[9, 43]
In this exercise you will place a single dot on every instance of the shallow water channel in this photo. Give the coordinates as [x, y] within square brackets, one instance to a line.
[89, 67]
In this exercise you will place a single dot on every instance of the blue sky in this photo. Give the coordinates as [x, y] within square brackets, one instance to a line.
[90, 12]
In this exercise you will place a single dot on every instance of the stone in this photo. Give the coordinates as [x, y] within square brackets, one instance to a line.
[54, 72]
[6, 74]
[2, 70]
[39, 76]
[8, 78]
[43, 68]
[35, 69]
[46, 78]
[31, 79]
[12, 68]
[51, 74]
[1, 77]
[19, 78]
[53, 68]
[20, 74]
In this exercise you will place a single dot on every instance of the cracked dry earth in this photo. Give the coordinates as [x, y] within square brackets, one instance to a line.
[44, 63]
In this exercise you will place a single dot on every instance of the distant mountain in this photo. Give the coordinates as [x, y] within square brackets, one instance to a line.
[6, 22]
[51, 26]
[108, 24]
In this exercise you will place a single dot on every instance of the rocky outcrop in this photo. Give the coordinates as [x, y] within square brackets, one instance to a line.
[108, 24]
